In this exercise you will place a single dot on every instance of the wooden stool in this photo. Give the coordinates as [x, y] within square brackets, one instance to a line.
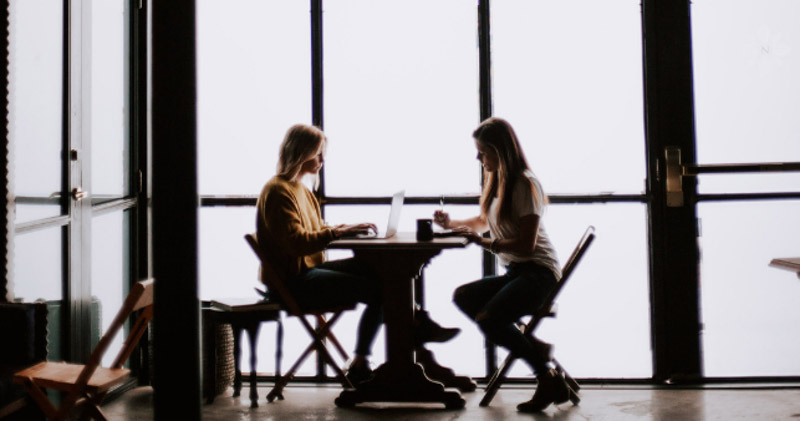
[242, 315]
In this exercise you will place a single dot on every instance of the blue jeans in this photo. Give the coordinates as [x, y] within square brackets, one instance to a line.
[495, 303]
[343, 282]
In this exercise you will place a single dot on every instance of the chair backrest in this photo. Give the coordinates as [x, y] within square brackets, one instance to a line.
[569, 267]
[139, 298]
[271, 278]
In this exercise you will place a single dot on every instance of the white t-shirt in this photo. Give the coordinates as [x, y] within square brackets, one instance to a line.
[523, 204]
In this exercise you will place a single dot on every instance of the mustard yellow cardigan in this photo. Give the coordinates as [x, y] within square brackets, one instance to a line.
[290, 228]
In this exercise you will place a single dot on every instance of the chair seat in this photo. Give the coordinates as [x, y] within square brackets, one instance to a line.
[62, 376]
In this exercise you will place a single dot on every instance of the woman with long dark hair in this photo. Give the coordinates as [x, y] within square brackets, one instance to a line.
[512, 205]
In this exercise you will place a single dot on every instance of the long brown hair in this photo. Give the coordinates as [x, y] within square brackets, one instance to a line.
[299, 145]
[498, 135]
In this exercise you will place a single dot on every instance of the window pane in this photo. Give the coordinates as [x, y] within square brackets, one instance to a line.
[37, 275]
[253, 82]
[108, 62]
[401, 97]
[747, 94]
[573, 96]
[110, 275]
[34, 117]
[229, 269]
[750, 311]
[605, 305]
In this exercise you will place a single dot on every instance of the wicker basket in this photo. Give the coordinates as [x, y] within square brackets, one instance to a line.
[223, 341]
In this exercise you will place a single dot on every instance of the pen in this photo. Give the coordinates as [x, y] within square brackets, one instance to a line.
[441, 204]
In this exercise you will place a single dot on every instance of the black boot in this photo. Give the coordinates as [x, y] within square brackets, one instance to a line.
[426, 330]
[359, 373]
[552, 388]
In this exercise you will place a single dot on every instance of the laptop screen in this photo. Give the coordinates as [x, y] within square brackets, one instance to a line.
[394, 213]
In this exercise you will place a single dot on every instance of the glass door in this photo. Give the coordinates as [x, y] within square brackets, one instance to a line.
[747, 97]
[42, 211]
[71, 165]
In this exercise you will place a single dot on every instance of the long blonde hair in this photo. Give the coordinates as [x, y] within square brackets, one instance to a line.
[299, 145]
[498, 135]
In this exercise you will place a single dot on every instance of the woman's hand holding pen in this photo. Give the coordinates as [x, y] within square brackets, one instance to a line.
[441, 219]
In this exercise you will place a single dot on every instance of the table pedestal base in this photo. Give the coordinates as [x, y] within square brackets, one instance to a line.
[442, 374]
[400, 384]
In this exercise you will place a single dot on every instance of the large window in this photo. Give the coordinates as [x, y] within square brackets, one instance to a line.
[568, 77]
[575, 102]
[35, 107]
[398, 107]
[401, 91]
[253, 82]
[398, 88]
[747, 97]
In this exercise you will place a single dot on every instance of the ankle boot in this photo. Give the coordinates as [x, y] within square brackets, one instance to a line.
[552, 388]
[426, 330]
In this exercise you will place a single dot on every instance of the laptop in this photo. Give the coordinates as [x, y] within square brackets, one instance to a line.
[394, 219]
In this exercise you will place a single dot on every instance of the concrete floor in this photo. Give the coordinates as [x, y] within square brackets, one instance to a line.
[617, 403]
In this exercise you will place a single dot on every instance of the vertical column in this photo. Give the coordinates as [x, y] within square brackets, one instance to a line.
[669, 122]
[485, 98]
[176, 330]
[6, 212]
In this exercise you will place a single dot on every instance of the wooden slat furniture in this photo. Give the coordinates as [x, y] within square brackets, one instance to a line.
[787, 263]
[243, 315]
[319, 335]
[88, 383]
[23, 329]
[399, 260]
[547, 310]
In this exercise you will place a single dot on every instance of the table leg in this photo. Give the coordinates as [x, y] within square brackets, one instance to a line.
[433, 369]
[443, 374]
[400, 378]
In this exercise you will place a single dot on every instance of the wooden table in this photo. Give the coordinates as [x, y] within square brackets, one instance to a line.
[399, 262]
[787, 263]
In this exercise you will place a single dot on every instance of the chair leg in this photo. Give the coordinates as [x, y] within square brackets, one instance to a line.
[331, 337]
[41, 399]
[317, 335]
[496, 379]
[322, 333]
[278, 348]
[281, 381]
[91, 410]
[574, 387]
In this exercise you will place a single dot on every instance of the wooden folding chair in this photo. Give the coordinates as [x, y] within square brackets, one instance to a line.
[547, 310]
[275, 285]
[88, 383]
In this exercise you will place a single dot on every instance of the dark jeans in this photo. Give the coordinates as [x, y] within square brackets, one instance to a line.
[343, 282]
[495, 303]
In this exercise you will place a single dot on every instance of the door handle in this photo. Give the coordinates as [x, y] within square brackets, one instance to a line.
[78, 193]
[676, 170]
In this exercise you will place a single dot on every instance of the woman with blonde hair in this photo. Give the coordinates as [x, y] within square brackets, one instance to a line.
[291, 232]
[511, 208]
